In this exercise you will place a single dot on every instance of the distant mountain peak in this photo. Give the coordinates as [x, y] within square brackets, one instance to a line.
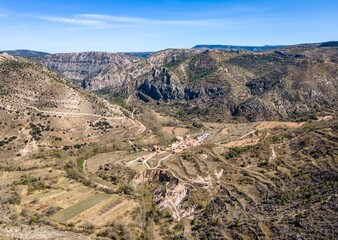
[234, 47]
[24, 53]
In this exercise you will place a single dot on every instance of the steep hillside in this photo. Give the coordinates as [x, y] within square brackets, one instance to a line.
[26, 84]
[42, 111]
[230, 85]
[47, 130]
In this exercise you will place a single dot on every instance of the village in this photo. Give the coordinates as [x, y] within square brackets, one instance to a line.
[178, 146]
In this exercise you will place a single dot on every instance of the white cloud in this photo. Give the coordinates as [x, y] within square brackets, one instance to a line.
[146, 21]
[95, 21]
[86, 22]
[110, 18]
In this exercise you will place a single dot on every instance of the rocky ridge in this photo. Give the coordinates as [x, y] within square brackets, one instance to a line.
[271, 85]
[99, 70]
[214, 84]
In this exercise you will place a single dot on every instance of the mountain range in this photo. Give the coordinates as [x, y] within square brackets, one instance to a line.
[176, 144]
[232, 47]
[280, 84]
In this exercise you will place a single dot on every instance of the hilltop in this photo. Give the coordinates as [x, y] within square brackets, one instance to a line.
[24, 53]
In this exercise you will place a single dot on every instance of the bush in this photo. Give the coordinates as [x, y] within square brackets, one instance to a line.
[125, 189]
[88, 227]
[235, 152]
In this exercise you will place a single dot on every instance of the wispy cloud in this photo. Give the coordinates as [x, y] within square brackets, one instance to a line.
[110, 18]
[146, 21]
[111, 21]
[85, 22]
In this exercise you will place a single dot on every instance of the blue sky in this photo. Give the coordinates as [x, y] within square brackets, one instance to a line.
[130, 25]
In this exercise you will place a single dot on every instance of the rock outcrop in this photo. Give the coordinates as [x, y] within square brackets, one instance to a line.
[279, 84]
[95, 70]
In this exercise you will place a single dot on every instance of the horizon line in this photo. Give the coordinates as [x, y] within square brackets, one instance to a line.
[147, 51]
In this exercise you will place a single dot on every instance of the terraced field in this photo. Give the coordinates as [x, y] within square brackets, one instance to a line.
[74, 210]
[238, 164]
[71, 202]
[248, 167]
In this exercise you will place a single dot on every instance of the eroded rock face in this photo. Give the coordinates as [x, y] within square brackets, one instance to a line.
[172, 199]
[81, 65]
[99, 70]
[162, 84]
[96, 70]
[114, 76]
[168, 192]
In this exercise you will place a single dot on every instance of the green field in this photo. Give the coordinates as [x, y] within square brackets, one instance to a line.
[80, 207]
